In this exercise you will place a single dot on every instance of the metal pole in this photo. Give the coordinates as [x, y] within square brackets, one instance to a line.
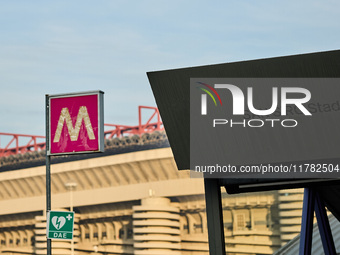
[71, 185]
[214, 216]
[324, 228]
[71, 209]
[307, 222]
[48, 197]
[71, 200]
[48, 170]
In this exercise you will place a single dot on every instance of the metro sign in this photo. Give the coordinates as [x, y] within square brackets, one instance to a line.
[76, 123]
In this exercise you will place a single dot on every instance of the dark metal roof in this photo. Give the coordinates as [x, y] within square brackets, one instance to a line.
[171, 88]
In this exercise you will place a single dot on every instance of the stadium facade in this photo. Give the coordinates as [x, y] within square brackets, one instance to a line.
[133, 200]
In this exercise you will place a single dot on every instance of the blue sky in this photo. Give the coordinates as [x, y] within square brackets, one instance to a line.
[50, 47]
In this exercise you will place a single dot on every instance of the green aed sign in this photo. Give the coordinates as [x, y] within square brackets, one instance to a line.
[60, 225]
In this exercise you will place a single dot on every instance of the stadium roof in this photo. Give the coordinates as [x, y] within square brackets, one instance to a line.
[292, 247]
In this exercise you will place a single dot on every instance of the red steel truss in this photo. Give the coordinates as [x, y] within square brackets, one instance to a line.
[36, 143]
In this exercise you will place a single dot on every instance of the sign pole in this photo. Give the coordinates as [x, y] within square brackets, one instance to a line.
[48, 170]
[87, 107]
[214, 217]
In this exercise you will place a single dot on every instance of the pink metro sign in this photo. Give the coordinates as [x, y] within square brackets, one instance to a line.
[75, 123]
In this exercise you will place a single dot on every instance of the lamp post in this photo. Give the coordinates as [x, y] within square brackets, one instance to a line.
[71, 185]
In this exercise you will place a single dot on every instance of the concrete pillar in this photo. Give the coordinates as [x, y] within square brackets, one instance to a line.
[156, 227]
[203, 222]
[109, 230]
[117, 226]
[290, 211]
[7, 238]
[21, 237]
[252, 222]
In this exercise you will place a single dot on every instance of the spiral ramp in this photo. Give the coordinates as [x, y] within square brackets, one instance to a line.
[156, 227]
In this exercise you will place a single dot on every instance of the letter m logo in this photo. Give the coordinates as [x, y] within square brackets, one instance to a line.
[74, 131]
[75, 123]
